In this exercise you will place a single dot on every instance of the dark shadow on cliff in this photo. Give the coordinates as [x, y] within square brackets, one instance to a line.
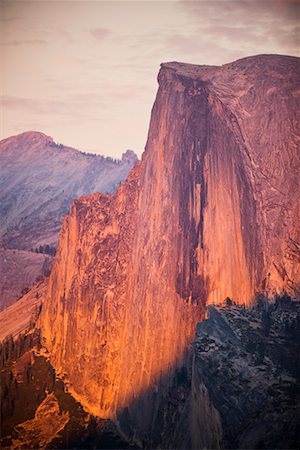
[159, 418]
[244, 369]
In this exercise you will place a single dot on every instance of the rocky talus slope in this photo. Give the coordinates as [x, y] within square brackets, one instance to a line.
[212, 211]
[39, 179]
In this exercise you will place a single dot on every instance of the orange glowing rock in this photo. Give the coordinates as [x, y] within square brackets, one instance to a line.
[209, 213]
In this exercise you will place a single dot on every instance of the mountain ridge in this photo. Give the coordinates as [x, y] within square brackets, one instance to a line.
[41, 154]
[40, 137]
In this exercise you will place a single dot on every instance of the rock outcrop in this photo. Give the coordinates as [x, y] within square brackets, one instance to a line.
[211, 212]
[37, 412]
[45, 426]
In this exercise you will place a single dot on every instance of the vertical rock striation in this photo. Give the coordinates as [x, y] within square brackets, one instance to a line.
[210, 212]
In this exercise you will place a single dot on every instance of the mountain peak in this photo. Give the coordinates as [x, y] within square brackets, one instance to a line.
[28, 137]
[35, 135]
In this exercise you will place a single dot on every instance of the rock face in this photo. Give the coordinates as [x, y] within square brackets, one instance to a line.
[210, 212]
[38, 181]
[37, 412]
[45, 426]
[245, 370]
[93, 284]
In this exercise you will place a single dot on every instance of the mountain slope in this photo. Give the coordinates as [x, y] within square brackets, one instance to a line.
[38, 181]
[19, 269]
[211, 212]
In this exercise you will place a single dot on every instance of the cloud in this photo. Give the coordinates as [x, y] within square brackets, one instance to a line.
[80, 106]
[100, 33]
[197, 49]
[249, 26]
[245, 13]
[60, 32]
[287, 38]
[7, 19]
[17, 43]
[83, 105]
[36, 106]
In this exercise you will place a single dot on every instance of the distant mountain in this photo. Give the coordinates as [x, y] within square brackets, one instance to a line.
[38, 181]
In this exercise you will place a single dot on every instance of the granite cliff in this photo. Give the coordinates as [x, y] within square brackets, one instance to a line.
[212, 211]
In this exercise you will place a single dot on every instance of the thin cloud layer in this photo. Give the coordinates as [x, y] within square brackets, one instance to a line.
[253, 22]
[100, 33]
[25, 42]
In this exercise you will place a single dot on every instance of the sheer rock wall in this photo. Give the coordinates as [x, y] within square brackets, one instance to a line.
[211, 212]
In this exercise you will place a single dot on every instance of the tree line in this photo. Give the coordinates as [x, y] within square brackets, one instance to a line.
[45, 249]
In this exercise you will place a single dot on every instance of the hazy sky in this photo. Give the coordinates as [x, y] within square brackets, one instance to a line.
[85, 72]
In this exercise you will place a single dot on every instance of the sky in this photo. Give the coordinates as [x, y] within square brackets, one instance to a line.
[85, 72]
